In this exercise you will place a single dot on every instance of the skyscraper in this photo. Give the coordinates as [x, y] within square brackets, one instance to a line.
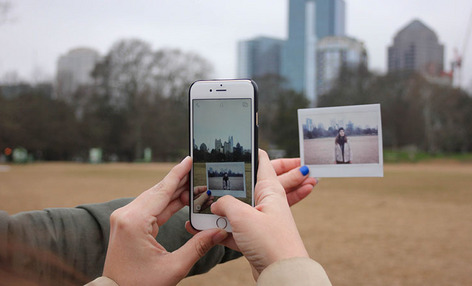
[74, 69]
[308, 21]
[416, 48]
[259, 56]
[330, 18]
[332, 54]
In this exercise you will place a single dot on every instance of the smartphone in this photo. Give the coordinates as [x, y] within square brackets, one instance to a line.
[223, 146]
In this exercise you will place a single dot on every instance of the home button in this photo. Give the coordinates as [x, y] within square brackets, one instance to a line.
[221, 222]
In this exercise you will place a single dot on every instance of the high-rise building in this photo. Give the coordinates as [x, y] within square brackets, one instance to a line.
[308, 21]
[330, 18]
[259, 56]
[74, 69]
[333, 53]
[416, 48]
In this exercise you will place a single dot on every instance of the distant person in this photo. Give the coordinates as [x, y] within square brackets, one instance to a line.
[225, 181]
[67, 246]
[266, 235]
[342, 149]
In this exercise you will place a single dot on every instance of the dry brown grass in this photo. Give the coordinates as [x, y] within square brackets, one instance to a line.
[412, 227]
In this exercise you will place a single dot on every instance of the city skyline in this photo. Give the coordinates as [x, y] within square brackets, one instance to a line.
[221, 119]
[32, 54]
[226, 146]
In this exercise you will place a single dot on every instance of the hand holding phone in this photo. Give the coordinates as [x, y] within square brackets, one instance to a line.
[267, 233]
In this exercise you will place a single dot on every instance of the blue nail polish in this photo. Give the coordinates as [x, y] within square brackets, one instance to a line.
[209, 192]
[304, 170]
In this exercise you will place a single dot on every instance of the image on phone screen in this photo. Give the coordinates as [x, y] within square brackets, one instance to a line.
[222, 151]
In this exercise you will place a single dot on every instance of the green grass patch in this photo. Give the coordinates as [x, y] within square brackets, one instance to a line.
[391, 156]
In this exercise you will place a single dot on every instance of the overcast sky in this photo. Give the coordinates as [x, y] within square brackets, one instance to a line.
[39, 31]
[216, 119]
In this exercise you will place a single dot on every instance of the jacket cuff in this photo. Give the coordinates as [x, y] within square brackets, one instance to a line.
[102, 281]
[300, 271]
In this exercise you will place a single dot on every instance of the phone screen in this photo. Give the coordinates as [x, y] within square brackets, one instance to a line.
[222, 151]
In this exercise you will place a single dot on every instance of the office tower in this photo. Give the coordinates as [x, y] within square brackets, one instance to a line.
[330, 18]
[259, 56]
[74, 69]
[309, 20]
[332, 54]
[416, 48]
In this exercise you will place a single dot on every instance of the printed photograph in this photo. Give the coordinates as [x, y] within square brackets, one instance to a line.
[226, 179]
[342, 141]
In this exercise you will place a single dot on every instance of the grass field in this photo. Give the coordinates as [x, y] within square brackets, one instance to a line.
[365, 150]
[412, 227]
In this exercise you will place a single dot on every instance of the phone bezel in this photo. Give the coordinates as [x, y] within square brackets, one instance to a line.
[222, 89]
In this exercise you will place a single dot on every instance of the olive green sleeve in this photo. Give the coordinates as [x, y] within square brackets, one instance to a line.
[62, 245]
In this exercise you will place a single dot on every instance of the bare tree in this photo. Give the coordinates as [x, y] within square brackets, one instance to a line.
[149, 88]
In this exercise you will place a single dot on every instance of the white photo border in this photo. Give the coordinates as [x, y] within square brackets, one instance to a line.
[342, 170]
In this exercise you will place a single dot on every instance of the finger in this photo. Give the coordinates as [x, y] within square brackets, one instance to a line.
[154, 200]
[231, 208]
[199, 189]
[173, 207]
[265, 170]
[294, 177]
[190, 229]
[228, 242]
[299, 194]
[284, 165]
[196, 247]
[185, 198]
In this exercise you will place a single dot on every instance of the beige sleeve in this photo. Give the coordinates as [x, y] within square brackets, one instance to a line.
[298, 271]
[102, 281]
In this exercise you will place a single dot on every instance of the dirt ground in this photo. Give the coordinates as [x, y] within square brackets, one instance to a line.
[412, 227]
[365, 149]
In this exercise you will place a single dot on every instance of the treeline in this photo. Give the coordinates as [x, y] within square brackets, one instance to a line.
[351, 130]
[214, 156]
[138, 100]
[416, 112]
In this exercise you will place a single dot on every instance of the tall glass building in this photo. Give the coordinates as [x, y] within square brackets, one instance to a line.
[333, 53]
[309, 20]
[259, 56]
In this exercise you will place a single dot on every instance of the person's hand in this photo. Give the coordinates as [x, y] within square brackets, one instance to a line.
[197, 193]
[134, 257]
[267, 233]
[295, 180]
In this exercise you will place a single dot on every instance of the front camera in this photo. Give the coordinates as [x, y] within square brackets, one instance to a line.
[211, 90]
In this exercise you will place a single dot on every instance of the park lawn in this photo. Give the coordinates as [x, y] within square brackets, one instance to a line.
[412, 227]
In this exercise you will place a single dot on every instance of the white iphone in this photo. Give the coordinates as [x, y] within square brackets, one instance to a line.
[223, 145]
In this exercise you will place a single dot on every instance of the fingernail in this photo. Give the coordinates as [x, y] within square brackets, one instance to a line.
[304, 170]
[209, 192]
[184, 159]
[317, 181]
[219, 236]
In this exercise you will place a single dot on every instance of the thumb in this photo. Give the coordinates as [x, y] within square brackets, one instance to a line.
[196, 247]
[231, 208]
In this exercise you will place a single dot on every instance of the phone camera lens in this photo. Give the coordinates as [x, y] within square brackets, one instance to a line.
[211, 90]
